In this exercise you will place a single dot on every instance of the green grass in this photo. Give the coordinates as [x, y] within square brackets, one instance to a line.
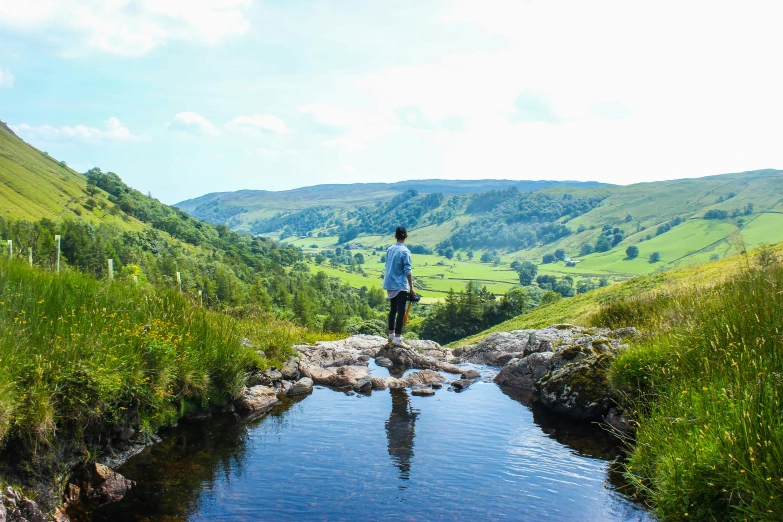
[706, 393]
[34, 185]
[577, 310]
[80, 357]
[437, 279]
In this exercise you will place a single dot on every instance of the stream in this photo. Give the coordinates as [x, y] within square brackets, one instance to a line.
[482, 454]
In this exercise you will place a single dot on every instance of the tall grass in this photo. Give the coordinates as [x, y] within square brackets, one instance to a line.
[80, 358]
[706, 392]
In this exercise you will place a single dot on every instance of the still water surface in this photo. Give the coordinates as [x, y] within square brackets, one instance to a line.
[481, 454]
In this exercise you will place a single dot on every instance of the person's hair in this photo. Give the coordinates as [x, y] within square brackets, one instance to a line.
[400, 233]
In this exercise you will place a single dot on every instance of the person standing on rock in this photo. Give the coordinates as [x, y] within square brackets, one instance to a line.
[398, 283]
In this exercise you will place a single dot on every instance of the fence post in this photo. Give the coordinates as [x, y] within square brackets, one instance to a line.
[57, 240]
[10, 249]
[30, 252]
[179, 281]
[111, 268]
[200, 298]
[136, 280]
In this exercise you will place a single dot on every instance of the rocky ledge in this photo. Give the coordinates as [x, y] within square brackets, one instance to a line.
[564, 365]
[344, 364]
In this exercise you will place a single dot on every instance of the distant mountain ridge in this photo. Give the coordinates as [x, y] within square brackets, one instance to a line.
[224, 207]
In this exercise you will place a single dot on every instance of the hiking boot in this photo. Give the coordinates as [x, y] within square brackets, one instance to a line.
[399, 343]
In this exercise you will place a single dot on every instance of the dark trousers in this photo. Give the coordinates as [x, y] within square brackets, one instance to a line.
[397, 312]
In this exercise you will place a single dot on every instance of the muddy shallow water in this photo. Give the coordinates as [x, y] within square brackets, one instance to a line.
[480, 454]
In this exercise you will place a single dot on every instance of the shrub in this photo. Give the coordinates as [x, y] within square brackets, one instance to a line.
[550, 297]
[632, 251]
[655, 257]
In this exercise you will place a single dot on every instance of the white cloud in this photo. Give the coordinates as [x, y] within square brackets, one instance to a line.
[345, 144]
[192, 124]
[353, 128]
[349, 169]
[114, 131]
[123, 27]
[6, 78]
[259, 123]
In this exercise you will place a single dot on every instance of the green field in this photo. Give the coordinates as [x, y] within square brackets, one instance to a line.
[693, 242]
[436, 279]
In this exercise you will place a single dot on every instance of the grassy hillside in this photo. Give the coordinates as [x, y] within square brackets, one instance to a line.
[34, 185]
[82, 359]
[242, 208]
[748, 207]
[704, 388]
[580, 309]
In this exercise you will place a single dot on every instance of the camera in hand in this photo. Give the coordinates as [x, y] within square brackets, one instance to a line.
[414, 298]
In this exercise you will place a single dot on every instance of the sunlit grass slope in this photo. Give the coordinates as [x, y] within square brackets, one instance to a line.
[81, 357]
[33, 185]
[577, 310]
[706, 392]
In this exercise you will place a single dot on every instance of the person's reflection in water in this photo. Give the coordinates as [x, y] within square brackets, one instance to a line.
[400, 432]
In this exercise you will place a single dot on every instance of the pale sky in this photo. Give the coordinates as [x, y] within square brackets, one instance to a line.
[185, 97]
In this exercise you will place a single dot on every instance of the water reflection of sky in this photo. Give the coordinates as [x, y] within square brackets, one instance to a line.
[477, 454]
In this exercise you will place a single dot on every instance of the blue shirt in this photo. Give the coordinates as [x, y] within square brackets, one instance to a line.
[398, 266]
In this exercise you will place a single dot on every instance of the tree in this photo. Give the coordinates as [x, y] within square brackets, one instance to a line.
[486, 257]
[470, 254]
[560, 254]
[527, 271]
[449, 253]
[603, 244]
[632, 252]
[548, 258]
[586, 250]
[603, 282]
[359, 258]
[655, 257]
[515, 302]
[550, 297]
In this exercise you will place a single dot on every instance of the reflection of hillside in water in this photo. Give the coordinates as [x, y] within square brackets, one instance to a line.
[172, 474]
[400, 431]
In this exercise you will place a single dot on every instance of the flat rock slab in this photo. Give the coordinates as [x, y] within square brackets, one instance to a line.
[420, 379]
[423, 392]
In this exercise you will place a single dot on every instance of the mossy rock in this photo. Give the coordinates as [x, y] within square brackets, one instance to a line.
[579, 389]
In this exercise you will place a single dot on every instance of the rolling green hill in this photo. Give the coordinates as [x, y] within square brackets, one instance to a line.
[523, 224]
[243, 209]
[33, 185]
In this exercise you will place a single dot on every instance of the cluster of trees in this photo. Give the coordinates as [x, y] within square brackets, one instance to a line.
[527, 271]
[665, 227]
[472, 310]
[339, 256]
[723, 214]
[405, 209]
[517, 220]
[609, 238]
[559, 255]
[236, 273]
[298, 223]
